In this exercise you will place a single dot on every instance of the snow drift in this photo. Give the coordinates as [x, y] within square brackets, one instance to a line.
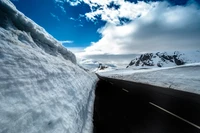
[41, 87]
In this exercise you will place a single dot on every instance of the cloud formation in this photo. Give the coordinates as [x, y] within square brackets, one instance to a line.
[114, 11]
[60, 4]
[66, 41]
[160, 27]
[54, 16]
[143, 26]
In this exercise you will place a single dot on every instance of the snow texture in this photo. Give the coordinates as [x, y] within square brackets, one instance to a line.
[185, 78]
[42, 90]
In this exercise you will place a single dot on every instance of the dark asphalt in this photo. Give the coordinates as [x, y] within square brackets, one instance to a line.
[119, 111]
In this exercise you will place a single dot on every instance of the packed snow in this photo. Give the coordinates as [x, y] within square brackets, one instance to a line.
[185, 78]
[42, 90]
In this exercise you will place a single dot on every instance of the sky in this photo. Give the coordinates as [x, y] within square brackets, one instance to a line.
[118, 27]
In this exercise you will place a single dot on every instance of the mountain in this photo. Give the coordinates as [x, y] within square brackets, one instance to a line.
[96, 66]
[164, 59]
[42, 89]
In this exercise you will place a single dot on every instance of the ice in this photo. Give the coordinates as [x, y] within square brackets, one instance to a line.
[42, 90]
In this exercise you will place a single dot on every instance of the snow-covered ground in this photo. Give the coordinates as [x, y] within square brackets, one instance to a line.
[42, 90]
[185, 78]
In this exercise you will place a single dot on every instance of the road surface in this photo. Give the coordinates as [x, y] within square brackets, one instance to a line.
[127, 107]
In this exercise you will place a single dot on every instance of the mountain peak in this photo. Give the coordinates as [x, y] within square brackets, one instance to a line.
[164, 59]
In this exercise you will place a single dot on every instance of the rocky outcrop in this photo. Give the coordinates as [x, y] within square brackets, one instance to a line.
[158, 59]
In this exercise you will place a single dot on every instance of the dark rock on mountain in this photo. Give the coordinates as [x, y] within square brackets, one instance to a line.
[158, 59]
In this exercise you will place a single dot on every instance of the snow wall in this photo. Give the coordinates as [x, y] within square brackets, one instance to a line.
[42, 90]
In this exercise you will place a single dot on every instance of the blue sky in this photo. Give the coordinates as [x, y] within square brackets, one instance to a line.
[118, 26]
[64, 23]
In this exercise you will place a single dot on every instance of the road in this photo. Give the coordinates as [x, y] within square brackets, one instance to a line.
[128, 107]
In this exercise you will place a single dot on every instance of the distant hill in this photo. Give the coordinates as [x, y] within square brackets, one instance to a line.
[96, 66]
[164, 59]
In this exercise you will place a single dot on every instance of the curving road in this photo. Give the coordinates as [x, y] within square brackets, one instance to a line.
[128, 107]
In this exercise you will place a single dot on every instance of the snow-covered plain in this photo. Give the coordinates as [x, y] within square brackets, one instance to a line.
[42, 90]
[185, 78]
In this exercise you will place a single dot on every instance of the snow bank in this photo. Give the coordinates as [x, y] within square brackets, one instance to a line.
[185, 78]
[42, 90]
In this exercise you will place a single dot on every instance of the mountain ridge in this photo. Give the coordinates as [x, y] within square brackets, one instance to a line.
[164, 59]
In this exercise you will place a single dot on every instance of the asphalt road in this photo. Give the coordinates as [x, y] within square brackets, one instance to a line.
[127, 107]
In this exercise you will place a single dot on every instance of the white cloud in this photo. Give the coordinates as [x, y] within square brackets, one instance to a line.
[125, 10]
[108, 13]
[153, 26]
[54, 16]
[76, 49]
[66, 41]
[72, 19]
[161, 28]
[60, 4]
[71, 2]
[74, 2]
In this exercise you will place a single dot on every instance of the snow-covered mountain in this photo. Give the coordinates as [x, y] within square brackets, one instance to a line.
[165, 59]
[42, 90]
[96, 66]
